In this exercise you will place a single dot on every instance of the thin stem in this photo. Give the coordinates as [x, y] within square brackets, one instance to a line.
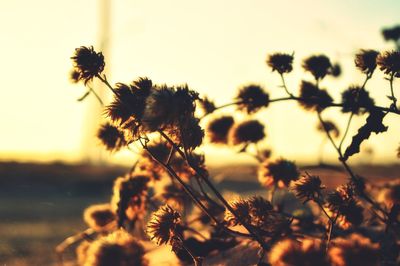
[284, 85]
[346, 131]
[394, 99]
[104, 80]
[96, 95]
[221, 107]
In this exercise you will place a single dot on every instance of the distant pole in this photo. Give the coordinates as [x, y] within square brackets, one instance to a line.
[91, 149]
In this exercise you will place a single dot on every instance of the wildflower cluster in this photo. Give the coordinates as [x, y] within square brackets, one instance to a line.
[169, 193]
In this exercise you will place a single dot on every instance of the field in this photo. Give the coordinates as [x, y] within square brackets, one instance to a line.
[42, 204]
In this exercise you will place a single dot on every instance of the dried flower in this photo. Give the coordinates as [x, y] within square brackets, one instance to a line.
[129, 197]
[251, 131]
[330, 126]
[282, 63]
[74, 76]
[290, 252]
[111, 137]
[217, 129]
[317, 65]
[366, 61]
[163, 224]
[242, 209]
[188, 133]
[99, 217]
[251, 98]
[207, 105]
[118, 248]
[389, 63]
[307, 188]
[354, 250]
[129, 102]
[335, 70]
[356, 100]
[279, 172]
[88, 63]
[313, 98]
[391, 34]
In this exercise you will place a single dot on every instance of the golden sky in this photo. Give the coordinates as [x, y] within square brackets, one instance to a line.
[214, 46]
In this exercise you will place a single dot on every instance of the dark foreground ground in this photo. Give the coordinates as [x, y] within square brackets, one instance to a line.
[41, 204]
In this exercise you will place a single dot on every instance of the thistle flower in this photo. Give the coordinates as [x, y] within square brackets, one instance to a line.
[391, 34]
[317, 65]
[282, 63]
[330, 126]
[207, 105]
[163, 225]
[242, 209]
[111, 137]
[188, 133]
[307, 188]
[129, 197]
[343, 203]
[280, 172]
[74, 76]
[251, 98]
[251, 131]
[88, 63]
[290, 252]
[389, 63]
[366, 61]
[118, 248]
[217, 129]
[355, 249]
[129, 101]
[313, 98]
[99, 217]
[356, 100]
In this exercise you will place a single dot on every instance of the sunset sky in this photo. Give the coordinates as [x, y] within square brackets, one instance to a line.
[214, 46]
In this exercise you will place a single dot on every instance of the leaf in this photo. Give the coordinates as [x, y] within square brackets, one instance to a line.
[373, 125]
[84, 96]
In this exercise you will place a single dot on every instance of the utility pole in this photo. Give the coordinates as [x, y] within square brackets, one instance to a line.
[92, 151]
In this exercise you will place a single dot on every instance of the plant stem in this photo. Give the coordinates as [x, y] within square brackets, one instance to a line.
[284, 85]
[346, 131]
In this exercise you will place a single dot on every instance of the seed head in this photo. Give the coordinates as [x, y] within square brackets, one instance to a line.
[391, 34]
[99, 217]
[207, 105]
[118, 248]
[389, 63]
[356, 100]
[217, 129]
[317, 65]
[252, 98]
[366, 61]
[307, 188]
[251, 131]
[280, 172]
[313, 98]
[163, 225]
[282, 63]
[88, 63]
[355, 249]
[111, 137]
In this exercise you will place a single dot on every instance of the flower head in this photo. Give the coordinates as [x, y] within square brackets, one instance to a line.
[111, 137]
[336, 70]
[118, 248]
[280, 172]
[207, 105]
[355, 249]
[366, 61]
[290, 252]
[356, 100]
[317, 65]
[163, 225]
[251, 131]
[389, 63]
[217, 129]
[282, 63]
[251, 98]
[391, 34]
[129, 197]
[100, 217]
[88, 63]
[313, 98]
[307, 188]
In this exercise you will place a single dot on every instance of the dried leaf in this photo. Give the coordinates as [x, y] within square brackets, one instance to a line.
[373, 124]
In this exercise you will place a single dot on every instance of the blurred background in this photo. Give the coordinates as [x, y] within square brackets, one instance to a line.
[52, 166]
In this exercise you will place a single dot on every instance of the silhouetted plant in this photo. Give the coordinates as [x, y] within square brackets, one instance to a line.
[347, 227]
